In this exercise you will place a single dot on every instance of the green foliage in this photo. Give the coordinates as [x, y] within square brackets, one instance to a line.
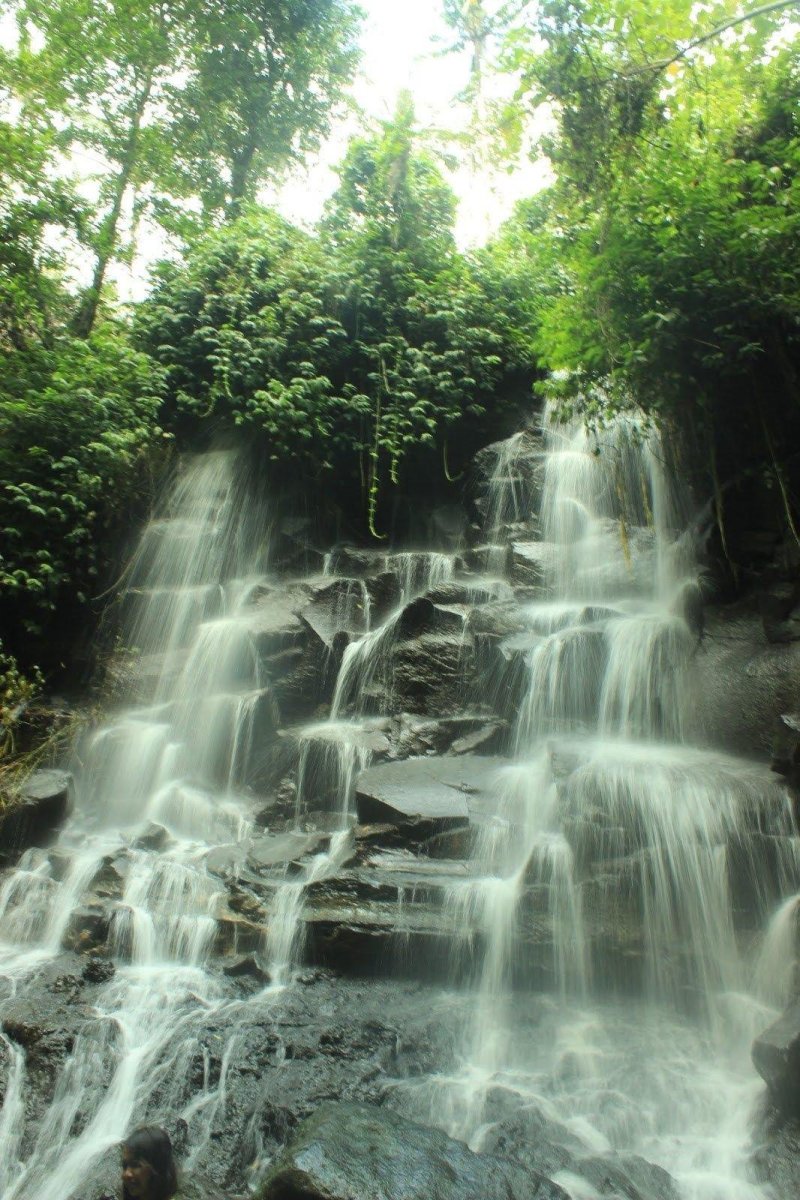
[666, 251]
[73, 445]
[355, 351]
[264, 82]
[174, 100]
[17, 690]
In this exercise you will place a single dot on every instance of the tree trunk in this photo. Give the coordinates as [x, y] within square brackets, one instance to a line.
[240, 177]
[107, 239]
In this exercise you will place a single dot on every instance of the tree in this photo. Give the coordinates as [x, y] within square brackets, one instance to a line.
[174, 99]
[356, 353]
[667, 240]
[265, 80]
[77, 429]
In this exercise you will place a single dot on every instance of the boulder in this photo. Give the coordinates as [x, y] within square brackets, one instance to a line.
[470, 591]
[487, 558]
[32, 817]
[356, 1152]
[422, 616]
[786, 748]
[776, 1056]
[776, 1158]
[779, 605]
[339, 606]
[530, 562]
[414, 735]
[627, 1176]
[428, 672]
[356, 562]
[441, 792]
[274, 850]
[87, 930]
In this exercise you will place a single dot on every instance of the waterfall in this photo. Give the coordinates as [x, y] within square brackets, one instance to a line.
[175, 754]
[611, 900]
[613, 826]
[333, 753]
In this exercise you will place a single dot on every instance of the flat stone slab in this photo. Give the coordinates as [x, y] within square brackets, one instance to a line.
[445, 791]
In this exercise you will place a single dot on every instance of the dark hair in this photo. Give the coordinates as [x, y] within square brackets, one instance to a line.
[151, 1143]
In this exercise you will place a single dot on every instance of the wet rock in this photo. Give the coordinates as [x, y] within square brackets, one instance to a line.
[32, 817]
[487, 558]
[338, 606]
[515, 464]
[292, 655]
[740, 682]
[109, 882]
[293, 548]
[274, 624]
[384, 594]
[627, 1176]
[246, 965]
[377, 834]
[154, 837]
[414, 735]
[531, 562]
[428, 673]
[443, 792]
[786, 748]
[488, 737]
[277, 849]
[527, 1137]
[356, 562]
[422, 616]
[500, 619]
[87, 930]
[237, 935]
[225, 861]
[779, 605]
[470, 592]
[98, 970]
[452, 844]
[776, 1158]
[354, 1152]
[776, 1056]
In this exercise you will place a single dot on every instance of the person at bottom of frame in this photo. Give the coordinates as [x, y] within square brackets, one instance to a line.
[148, 1165]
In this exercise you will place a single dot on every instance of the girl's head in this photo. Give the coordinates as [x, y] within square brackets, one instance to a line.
[148, 1168]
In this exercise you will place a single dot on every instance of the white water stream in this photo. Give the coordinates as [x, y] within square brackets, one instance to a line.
[174, 757]
[612, 858]
[624, 826]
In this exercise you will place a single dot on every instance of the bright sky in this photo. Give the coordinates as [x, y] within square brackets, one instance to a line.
[401, 44]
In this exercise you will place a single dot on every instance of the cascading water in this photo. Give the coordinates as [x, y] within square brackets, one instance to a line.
[628, 844]
[332, 754]
[176, 758]
[611, 876]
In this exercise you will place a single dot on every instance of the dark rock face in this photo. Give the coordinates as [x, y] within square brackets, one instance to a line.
[786, 748]
[776, 1158]
[428, 673]
[742, 682]
[776, 1055]
[33, 817]
[354, 1152]
[628, 1176]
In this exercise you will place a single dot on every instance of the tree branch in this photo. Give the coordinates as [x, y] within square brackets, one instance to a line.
[715, 32]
